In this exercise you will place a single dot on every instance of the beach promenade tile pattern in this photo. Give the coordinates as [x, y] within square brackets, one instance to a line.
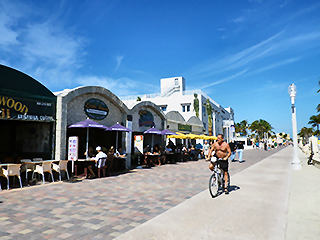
[107, 207]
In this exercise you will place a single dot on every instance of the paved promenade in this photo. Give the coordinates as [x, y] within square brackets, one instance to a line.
[268, 201]
[166, 202]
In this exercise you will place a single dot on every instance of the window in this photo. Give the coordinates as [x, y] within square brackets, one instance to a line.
[188, 108]
[176, 81]
[163, 108]
[183, 108]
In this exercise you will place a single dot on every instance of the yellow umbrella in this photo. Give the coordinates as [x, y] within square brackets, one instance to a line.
[208, 137]
[193, 136]
[178, 136]
[205, 137]
[212, 138]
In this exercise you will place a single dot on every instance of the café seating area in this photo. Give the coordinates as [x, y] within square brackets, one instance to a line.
[32, 169]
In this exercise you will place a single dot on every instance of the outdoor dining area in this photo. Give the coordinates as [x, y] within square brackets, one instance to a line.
[172, 153]
[93, 164]
[30, 170]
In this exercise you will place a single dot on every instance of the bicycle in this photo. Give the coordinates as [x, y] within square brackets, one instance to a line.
[216, 181]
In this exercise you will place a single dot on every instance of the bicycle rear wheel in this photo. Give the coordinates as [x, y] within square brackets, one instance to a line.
[214, 185]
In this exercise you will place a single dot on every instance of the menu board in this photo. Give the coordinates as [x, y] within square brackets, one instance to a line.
[138, 143]
[73, 148]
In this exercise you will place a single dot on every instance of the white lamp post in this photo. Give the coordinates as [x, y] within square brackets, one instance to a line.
[296, 164]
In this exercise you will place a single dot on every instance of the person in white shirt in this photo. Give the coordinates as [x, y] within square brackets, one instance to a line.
[98, 164]
[206, 148]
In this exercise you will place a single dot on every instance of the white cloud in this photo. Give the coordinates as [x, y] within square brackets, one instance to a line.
[225, 79]
[239, 20]
[120, 87]
[46, 50]
[261, 53]
[7, 36]
[119, 60]
[274, 65]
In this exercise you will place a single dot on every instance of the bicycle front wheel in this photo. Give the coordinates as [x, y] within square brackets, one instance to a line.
[213, 185]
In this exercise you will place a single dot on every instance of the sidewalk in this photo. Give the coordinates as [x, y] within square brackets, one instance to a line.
[303, 221]
[261, 205]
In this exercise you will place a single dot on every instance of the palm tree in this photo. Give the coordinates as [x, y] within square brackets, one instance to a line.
[315, 121]
[318, 107]
[209, 113]
[260, 127]
[305, 133]
[242, 127]
[196, 104]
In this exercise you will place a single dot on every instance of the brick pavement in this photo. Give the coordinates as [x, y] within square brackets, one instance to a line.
[107, 207]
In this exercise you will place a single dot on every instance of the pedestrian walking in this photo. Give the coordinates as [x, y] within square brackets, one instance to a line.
[233, 147]
[206, 147]
[240, 151]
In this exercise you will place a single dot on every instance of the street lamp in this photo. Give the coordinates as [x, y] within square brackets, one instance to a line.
[296, 165]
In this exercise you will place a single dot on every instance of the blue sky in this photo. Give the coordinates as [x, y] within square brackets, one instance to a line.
[243, 54]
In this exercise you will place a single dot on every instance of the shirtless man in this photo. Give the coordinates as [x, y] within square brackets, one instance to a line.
[222, 152]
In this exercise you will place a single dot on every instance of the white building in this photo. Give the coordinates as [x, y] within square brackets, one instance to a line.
[174, 98]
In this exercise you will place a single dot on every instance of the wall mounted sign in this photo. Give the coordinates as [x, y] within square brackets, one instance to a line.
[182, 127]
[25, 109]
[96, 109]
[146, 119]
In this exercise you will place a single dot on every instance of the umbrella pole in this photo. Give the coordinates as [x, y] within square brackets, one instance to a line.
[116, 141]
[152, 144]
[87, 144]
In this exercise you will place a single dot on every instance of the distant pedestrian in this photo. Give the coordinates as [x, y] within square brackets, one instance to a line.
[240, 151]
[233, 147]
[206, 147]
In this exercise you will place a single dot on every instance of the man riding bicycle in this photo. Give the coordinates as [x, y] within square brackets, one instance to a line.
[222, 153]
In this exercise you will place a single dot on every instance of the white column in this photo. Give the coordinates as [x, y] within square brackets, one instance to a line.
[128, 144]
[296, 164]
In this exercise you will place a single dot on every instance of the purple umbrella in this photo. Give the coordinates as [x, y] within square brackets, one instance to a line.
[167, 132]
[88, 123]
[118, 128]
[153, 130]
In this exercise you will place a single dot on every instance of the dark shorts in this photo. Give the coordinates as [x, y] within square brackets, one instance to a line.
[224, 165]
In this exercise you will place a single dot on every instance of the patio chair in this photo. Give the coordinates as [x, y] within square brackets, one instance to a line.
[102, 165]
[27, 166]
[43, 167]
[12, 170]
[62, 166]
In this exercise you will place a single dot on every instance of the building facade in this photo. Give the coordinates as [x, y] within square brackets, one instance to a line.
[189, 104]
[27, 117]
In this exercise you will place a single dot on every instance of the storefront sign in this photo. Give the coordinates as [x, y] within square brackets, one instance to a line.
[96, 109]
[146, 119]
[24, 109]
[182, 127]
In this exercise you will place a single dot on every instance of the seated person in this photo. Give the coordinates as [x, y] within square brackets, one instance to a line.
[159, 157]
[168, 149]
[94, 167]
[146, 152]
[111, 150]
[120, 153]
[91, 154]
[193, 154]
